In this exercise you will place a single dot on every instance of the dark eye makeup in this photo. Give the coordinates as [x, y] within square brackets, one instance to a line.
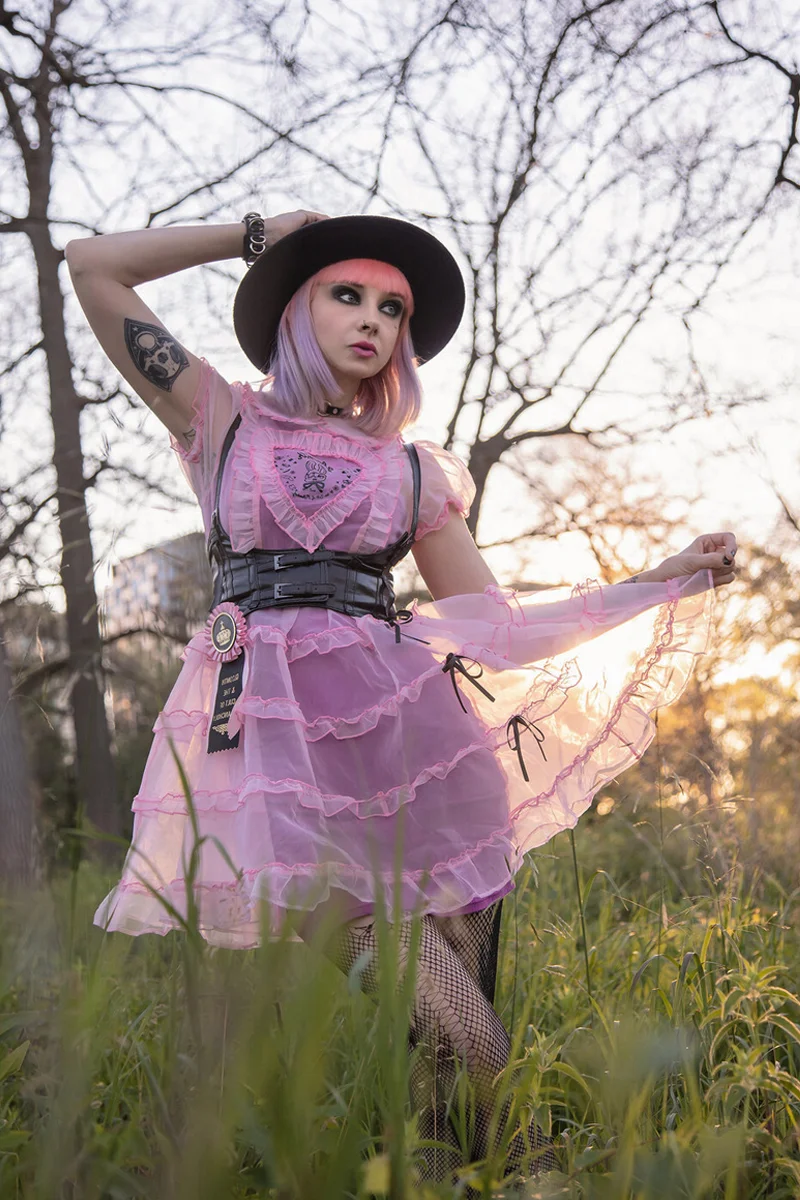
[347, 293]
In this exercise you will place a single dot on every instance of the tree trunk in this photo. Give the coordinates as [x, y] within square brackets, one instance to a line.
[16, 789]
[483, 456]
[94, 761]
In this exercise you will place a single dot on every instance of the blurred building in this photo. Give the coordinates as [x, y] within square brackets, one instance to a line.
[165, 591]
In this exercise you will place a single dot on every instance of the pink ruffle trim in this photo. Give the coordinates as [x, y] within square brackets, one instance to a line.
[451, 505]
[343, 873]
[448, 486]
[255, 480]
[382, 804]
[322, 641]
[636, 688]
[284, 709]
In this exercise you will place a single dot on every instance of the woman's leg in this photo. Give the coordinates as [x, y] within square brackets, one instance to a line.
[452, 1021]
[475, 937]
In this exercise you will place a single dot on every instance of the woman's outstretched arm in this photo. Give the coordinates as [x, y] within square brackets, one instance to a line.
[452, 565]
[106, 269]
[457, 578]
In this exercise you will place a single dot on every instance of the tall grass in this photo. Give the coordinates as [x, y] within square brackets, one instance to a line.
[655, 1027]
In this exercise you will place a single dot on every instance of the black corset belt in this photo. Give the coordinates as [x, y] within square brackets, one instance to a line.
[353, 584]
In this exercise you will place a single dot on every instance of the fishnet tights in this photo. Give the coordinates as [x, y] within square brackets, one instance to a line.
[452, 1021]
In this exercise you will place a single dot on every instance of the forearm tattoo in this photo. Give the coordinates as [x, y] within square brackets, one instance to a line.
[156, 354]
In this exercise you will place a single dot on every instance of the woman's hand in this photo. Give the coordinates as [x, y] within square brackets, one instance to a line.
[714, 552]
[277, 227]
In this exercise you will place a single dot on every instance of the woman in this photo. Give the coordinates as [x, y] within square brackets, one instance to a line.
[342, 755]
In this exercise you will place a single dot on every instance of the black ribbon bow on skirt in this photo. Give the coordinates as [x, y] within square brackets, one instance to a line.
[454, 663]
[401, 617]
[514, 738]
[515, 727]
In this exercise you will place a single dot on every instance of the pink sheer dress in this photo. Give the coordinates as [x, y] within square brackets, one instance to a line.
[363, 766]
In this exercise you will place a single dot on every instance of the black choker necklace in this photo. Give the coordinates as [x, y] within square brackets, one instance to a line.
[331, 410]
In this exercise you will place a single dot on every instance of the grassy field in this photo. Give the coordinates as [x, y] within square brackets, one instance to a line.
[661, 1048]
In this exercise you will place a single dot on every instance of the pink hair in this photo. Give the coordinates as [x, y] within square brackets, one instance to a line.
[301, 380]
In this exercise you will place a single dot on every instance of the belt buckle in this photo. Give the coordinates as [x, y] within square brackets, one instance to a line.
[289, 591]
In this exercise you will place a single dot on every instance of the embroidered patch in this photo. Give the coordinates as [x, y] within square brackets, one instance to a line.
[308, 477]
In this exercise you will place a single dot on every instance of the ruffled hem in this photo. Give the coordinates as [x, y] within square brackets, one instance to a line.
[229, 910]
[649, 689]
[382, 804]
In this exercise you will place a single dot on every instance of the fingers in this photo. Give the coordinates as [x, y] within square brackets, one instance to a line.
[725, 541]
[719, 560]
[724, 572]
[721, 565]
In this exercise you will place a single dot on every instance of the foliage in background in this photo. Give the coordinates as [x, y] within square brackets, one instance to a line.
[157, 1068]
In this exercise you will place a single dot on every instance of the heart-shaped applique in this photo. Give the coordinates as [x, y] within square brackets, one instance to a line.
[311, 481]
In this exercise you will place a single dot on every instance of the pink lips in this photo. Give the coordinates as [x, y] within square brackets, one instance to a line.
[364, 349]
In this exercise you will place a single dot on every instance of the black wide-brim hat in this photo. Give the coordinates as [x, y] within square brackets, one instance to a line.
[432, 273]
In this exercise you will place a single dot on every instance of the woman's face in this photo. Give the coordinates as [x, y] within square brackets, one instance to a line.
[357, 327]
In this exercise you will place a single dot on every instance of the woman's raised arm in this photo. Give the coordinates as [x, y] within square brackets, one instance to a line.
[106, 269]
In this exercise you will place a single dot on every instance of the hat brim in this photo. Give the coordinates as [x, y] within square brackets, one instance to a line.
[432, 273]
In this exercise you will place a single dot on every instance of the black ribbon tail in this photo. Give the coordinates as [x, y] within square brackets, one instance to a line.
[455, 687]
[514, 739]
[400, 618]
[454, 663]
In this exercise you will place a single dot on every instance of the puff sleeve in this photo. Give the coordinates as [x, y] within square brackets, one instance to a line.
[446, 486]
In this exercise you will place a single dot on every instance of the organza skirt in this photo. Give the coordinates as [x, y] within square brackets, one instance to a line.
[415, 774]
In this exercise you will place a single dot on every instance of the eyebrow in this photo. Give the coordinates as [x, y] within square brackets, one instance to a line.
[352, 283]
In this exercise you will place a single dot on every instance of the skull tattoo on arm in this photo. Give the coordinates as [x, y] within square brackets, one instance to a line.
[156, 354]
